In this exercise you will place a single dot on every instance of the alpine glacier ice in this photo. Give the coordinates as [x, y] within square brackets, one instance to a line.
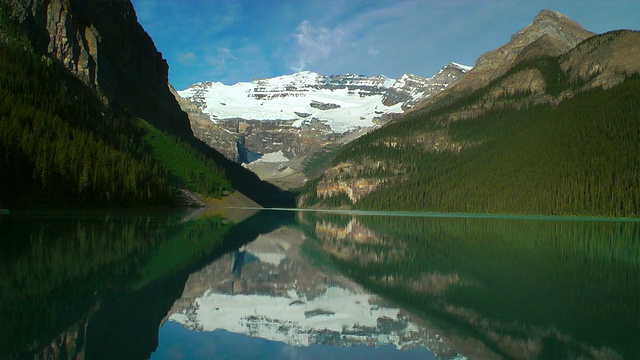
[343, 102]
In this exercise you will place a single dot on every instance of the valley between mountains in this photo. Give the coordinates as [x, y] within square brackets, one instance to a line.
[550, 113]
[545, 124]
[487, 210]
[290, 120]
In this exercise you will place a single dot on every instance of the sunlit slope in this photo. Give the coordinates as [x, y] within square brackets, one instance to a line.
[580, 158]
[564, 151]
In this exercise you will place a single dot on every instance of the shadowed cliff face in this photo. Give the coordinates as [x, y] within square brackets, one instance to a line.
[102, 43]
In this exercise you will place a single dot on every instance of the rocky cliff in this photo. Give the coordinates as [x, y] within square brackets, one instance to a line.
[603, 61]
[102, 43]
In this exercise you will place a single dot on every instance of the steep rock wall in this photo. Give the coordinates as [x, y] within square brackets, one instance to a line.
[102, 43]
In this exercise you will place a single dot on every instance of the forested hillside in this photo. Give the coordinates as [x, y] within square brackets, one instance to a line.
[516, 154]
[59, 145]
[64, 143]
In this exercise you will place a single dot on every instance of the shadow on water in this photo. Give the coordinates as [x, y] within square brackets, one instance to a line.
[126, 326]
[99, 284]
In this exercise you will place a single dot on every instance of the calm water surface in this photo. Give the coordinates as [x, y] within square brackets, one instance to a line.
[306, 285]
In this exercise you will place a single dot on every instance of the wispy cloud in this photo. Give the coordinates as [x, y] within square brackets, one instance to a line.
[379, 37]
[341, 41]
[315, 43]
[221, 59]
[186, 59]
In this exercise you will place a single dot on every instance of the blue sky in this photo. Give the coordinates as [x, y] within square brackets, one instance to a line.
[241, 40]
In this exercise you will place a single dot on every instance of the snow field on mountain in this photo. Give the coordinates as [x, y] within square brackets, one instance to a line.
[465, 68]
[274, 157]
[230, 102]
[349, 101]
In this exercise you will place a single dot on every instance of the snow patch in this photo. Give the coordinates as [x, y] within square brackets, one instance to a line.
[274, 157]
[464, 68]
[270, 258]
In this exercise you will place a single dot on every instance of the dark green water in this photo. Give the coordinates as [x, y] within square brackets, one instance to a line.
[123, 284]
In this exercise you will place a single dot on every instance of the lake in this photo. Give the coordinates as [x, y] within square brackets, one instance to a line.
[246, 284]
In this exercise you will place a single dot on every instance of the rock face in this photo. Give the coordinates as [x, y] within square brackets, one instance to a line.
[405, 88]
[102, 43]
[603, 61]
[585, 59]
[558, 32]
[302, 113]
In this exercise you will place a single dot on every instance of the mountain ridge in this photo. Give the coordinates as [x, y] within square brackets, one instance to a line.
[561, 33]
[212, 97]
[491, 143]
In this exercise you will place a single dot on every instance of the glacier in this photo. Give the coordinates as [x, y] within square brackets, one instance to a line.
[352, 101]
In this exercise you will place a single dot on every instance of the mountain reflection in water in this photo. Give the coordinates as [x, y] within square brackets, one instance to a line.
[500, 287]
[281, 284]
[270, 290]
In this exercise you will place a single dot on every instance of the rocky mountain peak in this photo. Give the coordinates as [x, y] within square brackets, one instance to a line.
[290, 118]
[567, 32]
[558, 32]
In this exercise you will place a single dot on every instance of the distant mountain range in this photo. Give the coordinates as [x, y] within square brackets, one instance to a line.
[343, 102]
[297, 115]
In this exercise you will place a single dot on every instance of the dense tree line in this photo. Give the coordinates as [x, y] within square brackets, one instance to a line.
[60, 145]
[581, 157]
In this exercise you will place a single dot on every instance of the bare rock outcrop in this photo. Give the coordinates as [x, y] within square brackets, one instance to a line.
[558, 30]
[102, 43]
[604, 60]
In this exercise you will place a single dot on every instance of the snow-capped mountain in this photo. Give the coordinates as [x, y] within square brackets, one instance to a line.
[344, 102]
[296, 115]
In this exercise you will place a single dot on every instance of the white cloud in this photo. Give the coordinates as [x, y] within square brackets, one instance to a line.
[186, 59]
[221, 59]
[384, 37]
[315, 44]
